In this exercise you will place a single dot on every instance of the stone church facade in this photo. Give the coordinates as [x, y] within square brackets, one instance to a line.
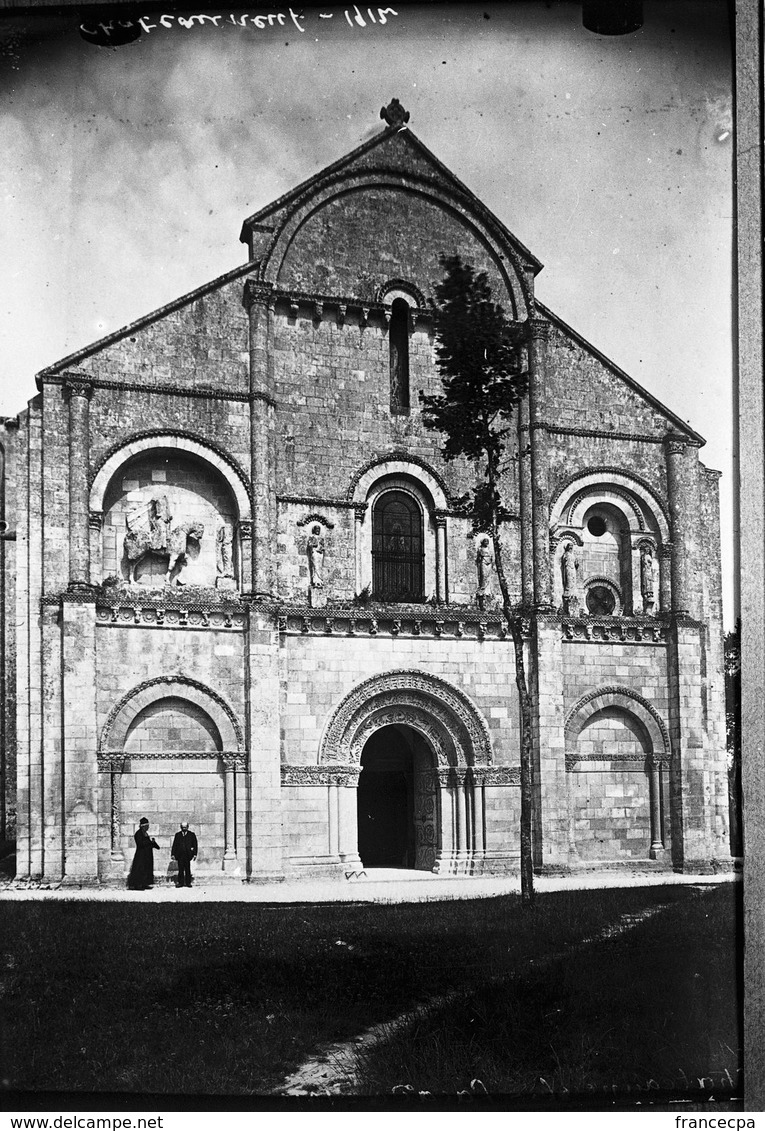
[238, 587]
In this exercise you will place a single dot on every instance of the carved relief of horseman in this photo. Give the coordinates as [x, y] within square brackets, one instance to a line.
[149, 532]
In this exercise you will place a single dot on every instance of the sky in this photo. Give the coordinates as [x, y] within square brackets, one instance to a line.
[128, 170]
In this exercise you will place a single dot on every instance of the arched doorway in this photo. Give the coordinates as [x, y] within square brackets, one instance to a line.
[396, 801]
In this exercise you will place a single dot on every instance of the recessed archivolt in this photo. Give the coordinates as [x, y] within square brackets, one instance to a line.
[626, 700]
[505, 258]
[447, 718]
[593, 485]
[398, 463]
[184, 444]
[117, 725]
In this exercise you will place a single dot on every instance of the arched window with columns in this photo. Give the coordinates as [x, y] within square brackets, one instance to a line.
[398, 559]
[611, 537]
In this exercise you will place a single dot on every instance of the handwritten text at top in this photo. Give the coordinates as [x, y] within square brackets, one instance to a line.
[355, 17]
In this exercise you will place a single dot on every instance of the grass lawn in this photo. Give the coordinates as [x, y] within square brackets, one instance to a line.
[229, 998]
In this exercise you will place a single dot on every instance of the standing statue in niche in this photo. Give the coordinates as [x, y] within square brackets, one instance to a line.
[569, 565]
[315, 551]
[646, 575]
[224, 556]
[483, 563]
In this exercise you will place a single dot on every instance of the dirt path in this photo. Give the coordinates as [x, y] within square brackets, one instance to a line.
[332, 1068]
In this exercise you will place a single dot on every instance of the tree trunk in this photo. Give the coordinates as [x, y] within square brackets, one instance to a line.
[515, 625]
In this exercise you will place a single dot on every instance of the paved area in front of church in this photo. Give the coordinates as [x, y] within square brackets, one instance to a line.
[376, 885]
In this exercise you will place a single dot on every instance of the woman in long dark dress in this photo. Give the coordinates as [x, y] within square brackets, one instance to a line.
[142, 869]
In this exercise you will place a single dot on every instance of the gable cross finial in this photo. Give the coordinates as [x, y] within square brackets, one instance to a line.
[395, 114]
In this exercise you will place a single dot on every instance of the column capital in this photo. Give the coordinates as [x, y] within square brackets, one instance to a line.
[676, 445]
[257, 293]
[359, 510]
[539, 329]
[76, 386]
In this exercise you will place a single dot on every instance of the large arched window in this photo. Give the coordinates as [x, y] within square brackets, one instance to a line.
[398, 340]
[398, 559]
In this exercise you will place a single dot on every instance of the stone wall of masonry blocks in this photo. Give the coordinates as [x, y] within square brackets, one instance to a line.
[116, 415]
[129, 655]
[577, 377]
[305, 813]
[203, 343]
[332, 385]
[194, 494]
[316, 673]
[265, 831]
[55, 488]
[551, 787]
[171, 790]
[610, 808]
[587, 666]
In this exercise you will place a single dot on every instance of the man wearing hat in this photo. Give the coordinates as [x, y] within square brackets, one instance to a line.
[184, 850]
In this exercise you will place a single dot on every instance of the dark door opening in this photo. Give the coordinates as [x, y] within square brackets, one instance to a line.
[386, 802]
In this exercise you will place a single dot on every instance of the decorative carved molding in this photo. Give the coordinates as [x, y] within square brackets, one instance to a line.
[564, 535]
[424, 701]
[95, 519]
[405, 286]
[598, 490]
[320, 775]
[398, 456]
[315, 501]
[665, 551]
[205, 392]
[176, 681]
[114, 761]
[157, 615]
[596, 434]
[603, 471]
[468, 622]
[640, 761]
[315, 517]
[614, 630]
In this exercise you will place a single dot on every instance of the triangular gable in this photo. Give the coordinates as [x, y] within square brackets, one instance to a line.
[392, 150]
[623, 378]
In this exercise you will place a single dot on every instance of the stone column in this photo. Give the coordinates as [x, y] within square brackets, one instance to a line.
[540, 334]
[525, 494]
[359, 510]
[79, 392]
[441, 573]
[117, 856]
[79, 765]
[333, 814]
[682, 489]
[665, 583]
[348, 834]
[259, 302]
[446, 850]
[657, 833]
[230, 862]
[245, 553]
[478, 802]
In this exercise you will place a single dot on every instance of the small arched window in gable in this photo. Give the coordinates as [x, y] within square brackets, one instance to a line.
[398, 341]
[397, 548]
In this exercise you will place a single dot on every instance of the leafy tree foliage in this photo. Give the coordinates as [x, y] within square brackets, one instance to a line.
[484, 378]
[483, 374]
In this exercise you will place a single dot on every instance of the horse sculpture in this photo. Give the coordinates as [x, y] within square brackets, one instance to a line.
[140, 543]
